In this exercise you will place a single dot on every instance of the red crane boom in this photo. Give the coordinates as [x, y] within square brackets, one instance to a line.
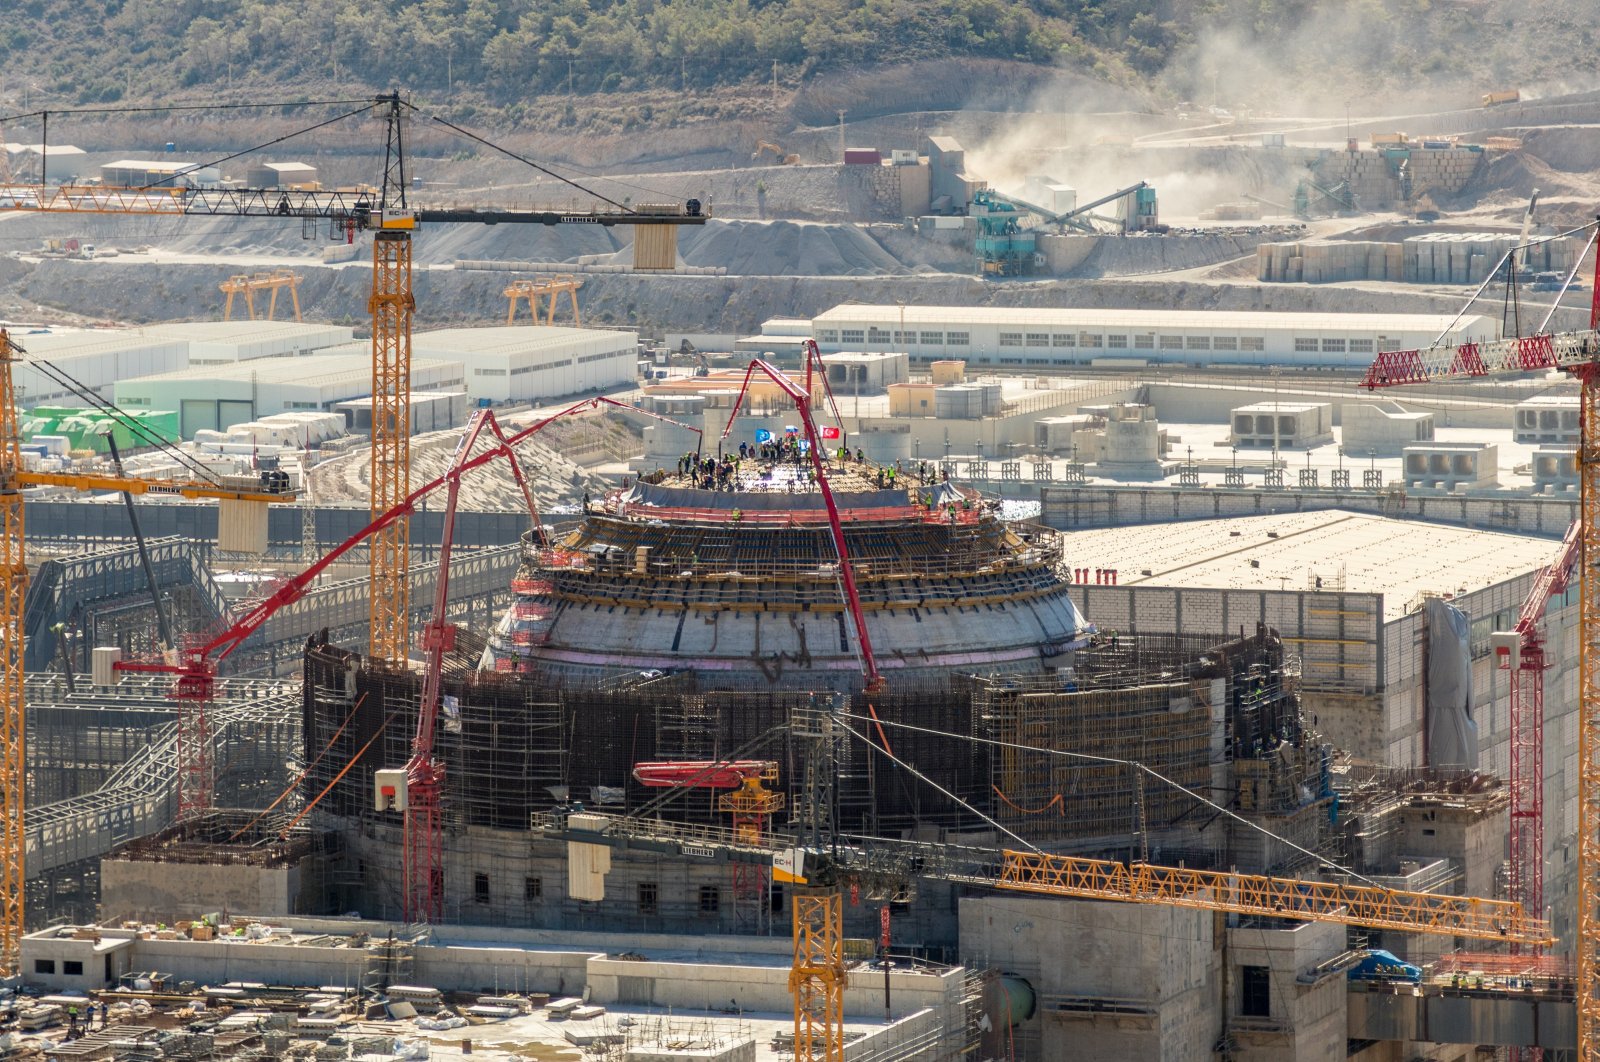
[802, 405]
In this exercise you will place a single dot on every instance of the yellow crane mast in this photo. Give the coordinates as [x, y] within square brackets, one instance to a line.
[14, 572]
[1578, 355]
[392, 304]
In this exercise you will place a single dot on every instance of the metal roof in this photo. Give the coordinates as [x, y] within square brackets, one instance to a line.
[515, 339]
[313, 370]
[1372, 554]
[1215, 320]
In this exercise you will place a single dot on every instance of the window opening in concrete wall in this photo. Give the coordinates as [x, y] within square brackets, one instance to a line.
[1255, 992]
[480, 887]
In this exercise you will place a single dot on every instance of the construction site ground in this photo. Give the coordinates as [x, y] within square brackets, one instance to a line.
[798, 239]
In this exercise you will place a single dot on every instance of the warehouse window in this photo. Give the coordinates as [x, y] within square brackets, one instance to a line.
[827, 335]
[1090, 340]
[1305, 346]
[488, 372]
[602, 356]
[1011, 339]
[933, 339]
[1010, 361]
[532, 890]
[905, 337]
[710, 899]
[1059, 340]
[877, 335]
[480, 887]
[1361, 346]
[647, 898]
[852, 335]
[1038, 339]
[136, 401]
[1144, 342]
[958, 339]
[1255, 991]
[1038, 361]
[1198, 343]
[1171, 342]
[1333, 346]
[1225, 343]
[1252, 343]
[1117, 342]
[303, 405]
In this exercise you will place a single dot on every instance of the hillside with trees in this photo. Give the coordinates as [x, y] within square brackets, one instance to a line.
[495, 53]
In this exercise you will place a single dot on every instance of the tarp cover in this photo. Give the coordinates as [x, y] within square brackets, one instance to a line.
[1452, 735]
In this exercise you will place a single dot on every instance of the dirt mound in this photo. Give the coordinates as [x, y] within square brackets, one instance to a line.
[786, 248]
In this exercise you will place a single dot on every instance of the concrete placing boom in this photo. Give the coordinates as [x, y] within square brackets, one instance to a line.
[1577, 354]
[192, 761]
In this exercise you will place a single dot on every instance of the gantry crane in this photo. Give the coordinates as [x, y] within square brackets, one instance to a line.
[391, 219]
[193, 761]
[1578, 355]
[392, 304]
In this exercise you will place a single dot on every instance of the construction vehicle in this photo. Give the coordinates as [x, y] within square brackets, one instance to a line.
[687, 351]
[1503, 96]
[1578, 355]
[1377, 965]
[382, 210]
[779, 156]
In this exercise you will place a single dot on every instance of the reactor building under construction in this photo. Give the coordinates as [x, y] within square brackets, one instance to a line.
[688, 617]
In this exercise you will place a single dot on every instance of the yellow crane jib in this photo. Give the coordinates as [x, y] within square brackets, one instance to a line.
[1254, 894]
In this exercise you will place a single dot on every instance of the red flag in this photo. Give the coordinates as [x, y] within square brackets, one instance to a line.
[830, 433]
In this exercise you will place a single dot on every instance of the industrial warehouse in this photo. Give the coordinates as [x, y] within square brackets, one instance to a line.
[988, 669]
[991, 336]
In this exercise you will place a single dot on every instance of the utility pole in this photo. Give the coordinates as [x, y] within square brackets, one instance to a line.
[774, 79]
[841, 135]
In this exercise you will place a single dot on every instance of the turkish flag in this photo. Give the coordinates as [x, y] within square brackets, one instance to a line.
[830, 433]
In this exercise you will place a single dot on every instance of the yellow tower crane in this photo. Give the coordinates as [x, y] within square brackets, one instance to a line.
[14, 573]
[392, 304]
[1578, 355]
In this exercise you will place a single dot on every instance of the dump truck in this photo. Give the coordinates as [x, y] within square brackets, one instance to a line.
[1495, 99]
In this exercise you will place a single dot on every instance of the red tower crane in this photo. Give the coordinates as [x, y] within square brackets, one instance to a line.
[1521, 650]
[1578, 355]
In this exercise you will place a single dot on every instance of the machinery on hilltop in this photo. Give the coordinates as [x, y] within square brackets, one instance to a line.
[391, 219]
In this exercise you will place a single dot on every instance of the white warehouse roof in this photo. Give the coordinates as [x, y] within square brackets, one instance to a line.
[1216, 320]
[1375, 554]
[95, 359]
[1024, 336]
[217, 342]
[531, 362]
[316, 370]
